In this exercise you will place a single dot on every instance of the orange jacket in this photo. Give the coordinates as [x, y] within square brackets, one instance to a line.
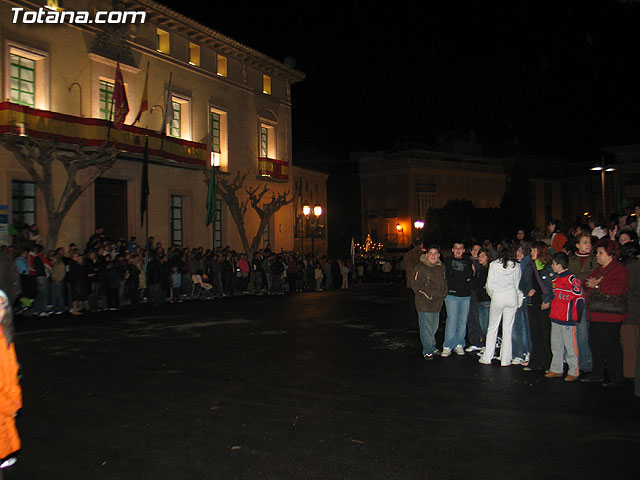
[10, 398]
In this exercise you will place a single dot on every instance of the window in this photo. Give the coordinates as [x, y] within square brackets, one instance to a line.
[266, 84]
[215, 131]
[180, 126]
[23, 80]
[267, 141]
[176, 220]
[27, 76]
[106, 99]
[176, 123]
[194, 54]
[218, 132]
[217, 225]
[426, 200]
[23, 203]
[222, 65]
[162, 41]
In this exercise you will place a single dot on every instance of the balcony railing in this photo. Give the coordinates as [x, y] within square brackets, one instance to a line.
[272, 168]
[70, 129]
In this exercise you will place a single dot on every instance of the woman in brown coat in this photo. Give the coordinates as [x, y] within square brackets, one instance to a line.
[10, 392]
[430, 287]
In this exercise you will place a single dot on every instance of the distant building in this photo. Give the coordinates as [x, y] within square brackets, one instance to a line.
[399, 186]
[229, 101]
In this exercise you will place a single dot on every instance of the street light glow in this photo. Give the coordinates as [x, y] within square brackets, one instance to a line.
[317, 210]
[306, 210]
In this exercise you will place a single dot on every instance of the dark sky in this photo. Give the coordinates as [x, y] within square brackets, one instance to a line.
[559, 76]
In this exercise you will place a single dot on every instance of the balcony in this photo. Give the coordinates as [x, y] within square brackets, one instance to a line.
[69, 129]
[273, 169]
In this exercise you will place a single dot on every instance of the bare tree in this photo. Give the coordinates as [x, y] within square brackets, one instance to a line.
[230, 190]
[38, 157]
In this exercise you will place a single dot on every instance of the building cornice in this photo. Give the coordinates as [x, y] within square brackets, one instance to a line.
[165, 17]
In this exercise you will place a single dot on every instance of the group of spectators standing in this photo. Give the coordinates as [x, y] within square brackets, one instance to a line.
[106, 275]
[568, 297]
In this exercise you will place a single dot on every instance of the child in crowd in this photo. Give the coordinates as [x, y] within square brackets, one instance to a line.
[176, 284]
[566, 311]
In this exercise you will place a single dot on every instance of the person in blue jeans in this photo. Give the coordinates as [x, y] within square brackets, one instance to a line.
[458, 273]
[429, 286]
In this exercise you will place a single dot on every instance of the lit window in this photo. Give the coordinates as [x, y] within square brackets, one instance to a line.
[266, 84]
[222, 65]
[27, 77]
[176, 123]
[180, 126]
[106, 99]
[23, 80]
[266, 236]
[23, 203]
[162, 41]
[194, 54]
[218, 135]
[215, 131]
[267, 141]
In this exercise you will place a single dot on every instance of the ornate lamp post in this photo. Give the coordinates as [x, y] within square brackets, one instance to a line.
[418, 225]
[311, 223]
[399, 229]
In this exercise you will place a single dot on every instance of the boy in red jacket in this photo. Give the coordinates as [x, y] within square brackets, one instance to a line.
[566, 310]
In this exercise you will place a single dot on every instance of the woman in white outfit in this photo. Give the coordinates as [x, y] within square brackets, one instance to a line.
[502, 286]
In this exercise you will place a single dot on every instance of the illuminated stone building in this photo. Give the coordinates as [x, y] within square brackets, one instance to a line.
[399, 186]
[230, 100]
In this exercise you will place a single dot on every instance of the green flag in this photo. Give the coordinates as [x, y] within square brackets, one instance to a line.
[211, 198]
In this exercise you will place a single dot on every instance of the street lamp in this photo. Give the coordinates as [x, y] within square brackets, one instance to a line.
[418, 225]
[317, 212]
[600, 167]
[399, 229]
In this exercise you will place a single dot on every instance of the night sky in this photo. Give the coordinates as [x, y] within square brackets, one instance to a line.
[556, 77]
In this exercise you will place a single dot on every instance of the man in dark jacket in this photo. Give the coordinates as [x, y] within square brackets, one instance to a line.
[459, 272]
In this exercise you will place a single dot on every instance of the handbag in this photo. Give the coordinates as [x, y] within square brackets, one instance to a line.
[599, 302]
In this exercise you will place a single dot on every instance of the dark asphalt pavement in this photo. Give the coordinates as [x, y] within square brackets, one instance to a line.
[326, 385]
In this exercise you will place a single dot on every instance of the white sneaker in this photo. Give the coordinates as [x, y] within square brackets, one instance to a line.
[517, 361]
[472, 348]
[459, 350]
[446, 351]
[481, 352]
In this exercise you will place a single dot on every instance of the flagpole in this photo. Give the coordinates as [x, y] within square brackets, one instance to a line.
[166, 108]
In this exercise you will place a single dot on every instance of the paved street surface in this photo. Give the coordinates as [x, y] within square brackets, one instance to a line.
[327, 385]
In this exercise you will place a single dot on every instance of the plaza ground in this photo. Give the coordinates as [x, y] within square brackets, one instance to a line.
[319, 385]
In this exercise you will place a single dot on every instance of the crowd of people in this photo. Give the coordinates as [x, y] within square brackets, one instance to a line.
[109, 275]
[565, 296]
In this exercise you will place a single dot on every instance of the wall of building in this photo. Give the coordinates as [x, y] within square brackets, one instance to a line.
[238, 96]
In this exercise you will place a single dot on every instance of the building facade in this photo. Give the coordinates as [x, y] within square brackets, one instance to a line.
[399, 187]
[231, 105]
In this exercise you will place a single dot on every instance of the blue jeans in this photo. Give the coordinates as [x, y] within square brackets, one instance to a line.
[585, 361]
[57, 289]
[483, 318]
[456, 327]
[519, 334]
[428, 322]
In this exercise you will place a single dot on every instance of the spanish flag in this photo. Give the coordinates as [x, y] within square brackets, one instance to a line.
[144, 101]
